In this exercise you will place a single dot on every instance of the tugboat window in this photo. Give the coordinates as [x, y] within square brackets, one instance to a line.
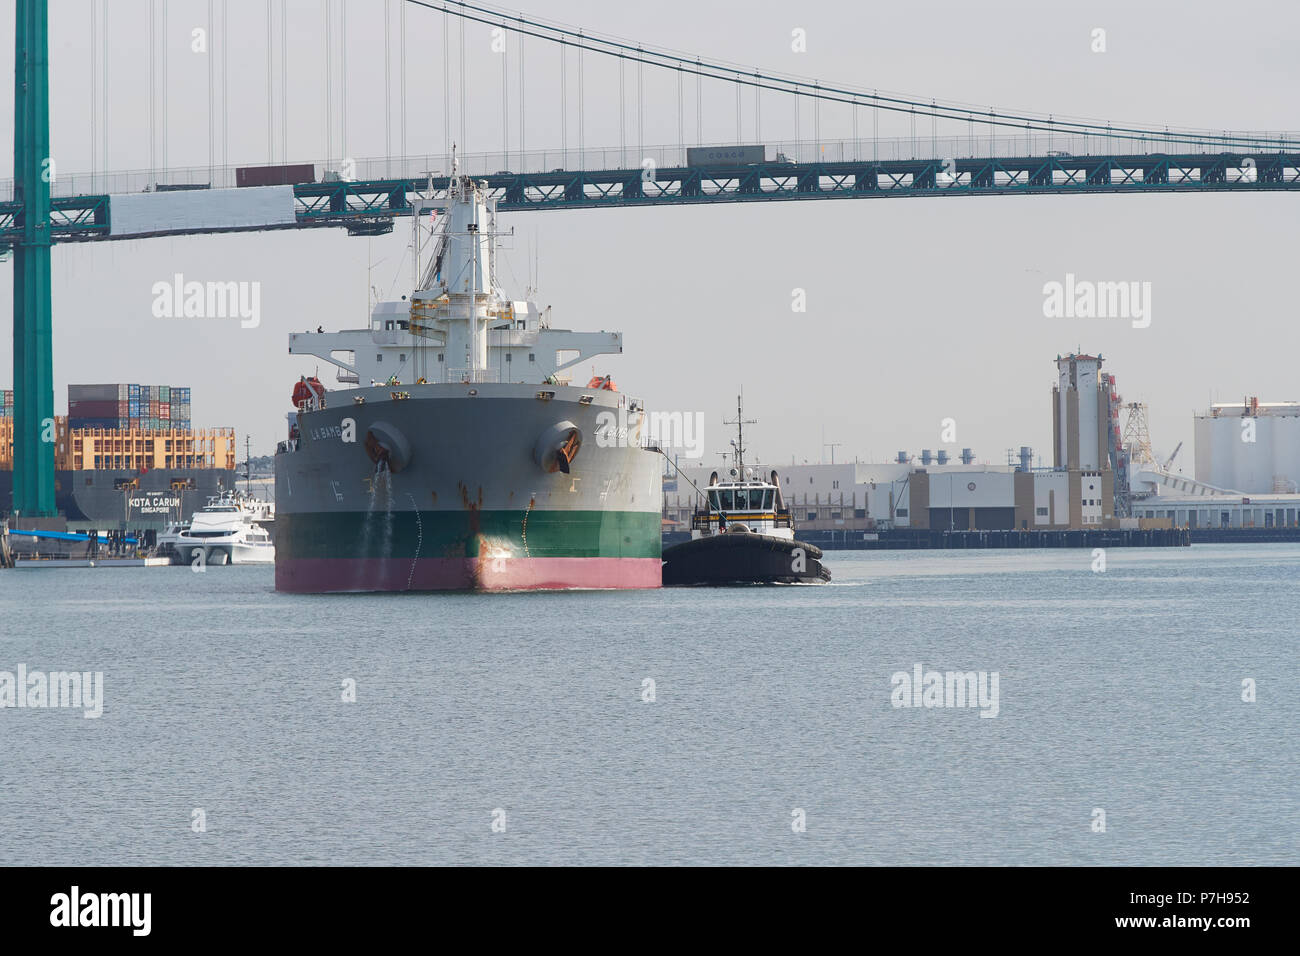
[767, 499]
[713, 500]
[728, 501]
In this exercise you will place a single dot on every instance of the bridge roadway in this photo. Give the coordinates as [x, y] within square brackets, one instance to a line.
[369, 207]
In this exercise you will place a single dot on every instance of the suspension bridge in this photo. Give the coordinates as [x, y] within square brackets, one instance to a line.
[969, 150]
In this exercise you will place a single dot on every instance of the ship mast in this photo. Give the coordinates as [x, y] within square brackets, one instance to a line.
[459, 294]
[739, 444]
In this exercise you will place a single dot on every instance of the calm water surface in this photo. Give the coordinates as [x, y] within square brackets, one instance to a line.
[1119, 691]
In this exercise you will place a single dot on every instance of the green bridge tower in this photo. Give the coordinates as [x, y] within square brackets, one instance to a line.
[33, 348]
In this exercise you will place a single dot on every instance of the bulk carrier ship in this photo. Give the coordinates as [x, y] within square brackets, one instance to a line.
[463, 458]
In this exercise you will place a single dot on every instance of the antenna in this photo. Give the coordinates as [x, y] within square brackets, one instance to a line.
[739, 444]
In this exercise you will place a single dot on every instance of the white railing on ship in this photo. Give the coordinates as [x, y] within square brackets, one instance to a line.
[466, 376]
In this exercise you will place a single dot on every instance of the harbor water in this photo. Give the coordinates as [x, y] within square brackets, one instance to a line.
[716, 726]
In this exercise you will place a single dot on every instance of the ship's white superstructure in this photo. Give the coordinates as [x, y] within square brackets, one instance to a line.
[745, 503]
[748, 505]
[458, 326]
[231, 528]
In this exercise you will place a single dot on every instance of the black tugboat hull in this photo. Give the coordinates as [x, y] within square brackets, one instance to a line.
[743, 558]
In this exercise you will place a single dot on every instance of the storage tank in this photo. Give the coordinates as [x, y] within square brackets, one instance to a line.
[1225, 459]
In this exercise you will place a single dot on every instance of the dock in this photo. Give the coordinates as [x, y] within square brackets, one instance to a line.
[23, 563]
[910, 539]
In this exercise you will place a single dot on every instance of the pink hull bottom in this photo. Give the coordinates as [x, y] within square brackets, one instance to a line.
[320, 575]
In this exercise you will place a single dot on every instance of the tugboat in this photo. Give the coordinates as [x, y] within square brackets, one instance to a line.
[743, 534]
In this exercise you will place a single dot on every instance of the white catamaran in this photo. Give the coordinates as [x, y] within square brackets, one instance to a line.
[232, 528]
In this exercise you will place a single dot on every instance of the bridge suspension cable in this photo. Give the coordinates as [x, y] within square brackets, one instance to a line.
[270, 83]
[329, 88]
[284, 78]
[446, 82]
[401, 69]
[166, 86]
[582, 139]
[522, 111]
[388, 89]
[505, 94]
[954, 111]
[343, 79]
[153, 90]
[464, 91]
[94, 88]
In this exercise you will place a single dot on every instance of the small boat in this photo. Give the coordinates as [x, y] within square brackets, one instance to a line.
[743, 533]
[230, 529]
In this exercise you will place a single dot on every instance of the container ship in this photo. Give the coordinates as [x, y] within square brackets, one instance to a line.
[126, 457]
[462, 457]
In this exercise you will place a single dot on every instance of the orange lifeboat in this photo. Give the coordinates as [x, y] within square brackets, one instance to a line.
[606, 382]
[306, 389]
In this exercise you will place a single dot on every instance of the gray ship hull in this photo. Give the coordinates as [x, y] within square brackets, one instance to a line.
[433, 487]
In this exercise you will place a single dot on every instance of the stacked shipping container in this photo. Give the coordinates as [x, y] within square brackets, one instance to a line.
[129, 406]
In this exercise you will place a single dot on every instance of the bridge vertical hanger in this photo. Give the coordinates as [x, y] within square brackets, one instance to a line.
[33, 348]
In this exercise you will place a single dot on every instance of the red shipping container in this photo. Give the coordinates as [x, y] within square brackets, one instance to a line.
[289, 175]
[92, 409]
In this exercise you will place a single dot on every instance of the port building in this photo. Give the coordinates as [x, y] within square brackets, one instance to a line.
[1098, 477]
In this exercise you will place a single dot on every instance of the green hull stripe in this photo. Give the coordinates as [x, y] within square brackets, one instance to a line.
[458, 534]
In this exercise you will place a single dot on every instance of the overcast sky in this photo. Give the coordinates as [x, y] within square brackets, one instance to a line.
[917, 310]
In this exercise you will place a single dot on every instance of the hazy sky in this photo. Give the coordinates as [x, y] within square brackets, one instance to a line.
[917, 310]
